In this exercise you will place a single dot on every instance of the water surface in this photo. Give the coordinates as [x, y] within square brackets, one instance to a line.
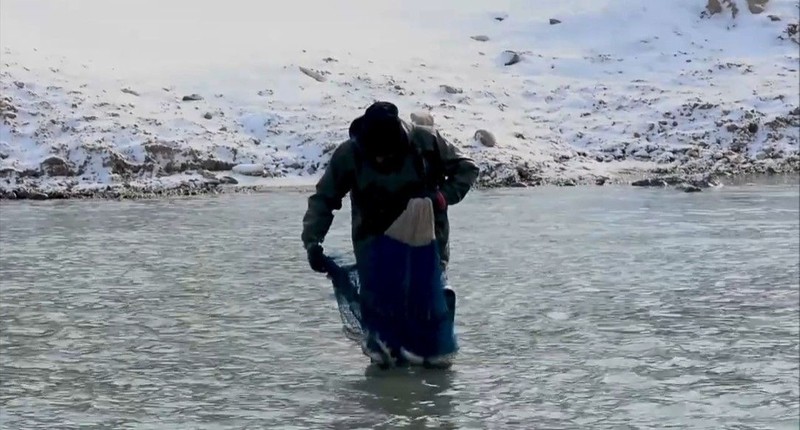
[577, 308]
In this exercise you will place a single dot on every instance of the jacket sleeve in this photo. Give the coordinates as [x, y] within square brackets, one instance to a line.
[329, 192]
[460, 171]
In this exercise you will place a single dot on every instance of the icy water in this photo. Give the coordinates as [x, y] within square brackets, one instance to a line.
[578, 308]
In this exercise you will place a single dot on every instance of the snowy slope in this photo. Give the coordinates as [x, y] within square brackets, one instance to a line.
[95, 89]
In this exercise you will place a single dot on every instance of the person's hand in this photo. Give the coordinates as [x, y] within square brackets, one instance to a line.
[316, 258]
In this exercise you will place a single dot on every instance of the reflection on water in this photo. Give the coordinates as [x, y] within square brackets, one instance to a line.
[408, 397]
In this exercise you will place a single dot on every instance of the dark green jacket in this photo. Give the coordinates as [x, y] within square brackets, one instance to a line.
[377, 199]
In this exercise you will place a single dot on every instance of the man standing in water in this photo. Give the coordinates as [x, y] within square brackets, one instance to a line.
[385, 162]
[383, 165]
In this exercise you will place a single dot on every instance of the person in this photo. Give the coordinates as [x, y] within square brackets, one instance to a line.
[385, 162]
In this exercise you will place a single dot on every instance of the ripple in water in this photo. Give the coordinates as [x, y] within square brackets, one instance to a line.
[595, 308]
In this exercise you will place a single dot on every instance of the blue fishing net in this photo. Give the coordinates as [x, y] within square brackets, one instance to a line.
[394, 303]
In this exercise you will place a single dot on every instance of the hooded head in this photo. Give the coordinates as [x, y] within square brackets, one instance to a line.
[380, 133]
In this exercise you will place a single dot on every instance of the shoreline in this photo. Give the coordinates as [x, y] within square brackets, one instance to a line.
[671, 183]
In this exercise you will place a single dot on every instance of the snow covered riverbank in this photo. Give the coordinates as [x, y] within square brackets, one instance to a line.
[599, 91]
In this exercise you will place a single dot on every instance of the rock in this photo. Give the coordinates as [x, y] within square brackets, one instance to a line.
[9, 115]
[9, 172]
[600, 181]
[208, 115]
[228, 180]
[451, 90]
[315, 75]
[510, 58]
[192, 98]
[249, 169]
[714, 6]
[160, 150]
[120, 165]
[774, 17]
[664, 158]
[688, 188]
[702, 181]
[130, 91]
[19, 84]
[57, 194]
[422, 118]
[330, 60]
[90, 118]
[480, 38]
[208, 175]
[554, 21]
[752, 128]
[650, 182]
[756, 6]
[296, 165]
[23, 193]
[213, 165]
[485, 138]
[793, 31]
[500, 17]
[56, 166]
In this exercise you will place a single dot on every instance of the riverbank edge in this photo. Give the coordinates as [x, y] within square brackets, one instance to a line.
[678, 183]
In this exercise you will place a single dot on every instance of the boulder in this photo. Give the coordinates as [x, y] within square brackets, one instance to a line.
[422, 118]
[451, 90]
[250, 169]
[56, 166]
[161, 150]
[509, 58]
[315, 75]
[486, 138]
[120, 165]
[688, 188]
[9, 172]
[215, 165]
[756, 6]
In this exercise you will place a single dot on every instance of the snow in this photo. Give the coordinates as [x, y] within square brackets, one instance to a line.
[616, 87]
[249, 169]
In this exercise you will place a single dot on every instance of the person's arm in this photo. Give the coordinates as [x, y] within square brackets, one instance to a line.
[460, 170]
[330, 190]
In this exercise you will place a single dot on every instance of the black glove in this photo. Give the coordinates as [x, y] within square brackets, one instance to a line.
[316, 258]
